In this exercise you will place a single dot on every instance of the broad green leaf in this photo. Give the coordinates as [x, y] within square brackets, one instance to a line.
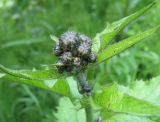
[31, 75]
[127, 118]
[45, 79]
[136, 106]
[67, 112]
[123, 45]
[148, 90]
[108, 96]
[59, 86]
[102, 39]
[112, 99]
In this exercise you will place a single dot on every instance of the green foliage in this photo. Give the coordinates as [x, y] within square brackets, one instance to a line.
[119, 101]
[123, 45]
[148, 91]
[107, 53]
[45, 79]
[31, 75]
[102, 39]
[25, 27]
[127, 118]
[67, 112]
[113, 100]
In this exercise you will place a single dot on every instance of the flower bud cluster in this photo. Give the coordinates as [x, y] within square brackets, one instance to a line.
[74, 52]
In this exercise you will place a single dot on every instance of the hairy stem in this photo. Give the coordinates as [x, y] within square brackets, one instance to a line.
[85, 89]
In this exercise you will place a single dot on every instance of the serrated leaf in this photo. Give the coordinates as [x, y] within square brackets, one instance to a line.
[123, 45]
[148, 90]
[131, 105]
[67, 112]
[45, 79]
[102, 39]
[112, 99]
[127, 118]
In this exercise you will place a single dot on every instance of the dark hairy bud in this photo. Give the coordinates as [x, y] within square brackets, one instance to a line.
[74, 52]
[77, 61]
[66, 57]
[92, 57]
[84, 63]
[86, 40]
[69, 40]
[84, 49]
[57, 49]
[60, 66]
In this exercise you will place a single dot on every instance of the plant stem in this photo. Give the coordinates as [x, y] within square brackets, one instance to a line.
[88, 110]
[85, 90]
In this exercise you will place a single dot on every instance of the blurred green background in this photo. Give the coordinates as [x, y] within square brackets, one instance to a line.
[25, 29]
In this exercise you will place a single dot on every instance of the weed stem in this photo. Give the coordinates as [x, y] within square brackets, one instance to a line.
[86, 90]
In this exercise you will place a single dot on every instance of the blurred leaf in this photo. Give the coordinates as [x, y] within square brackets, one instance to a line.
[23, 42]
[2, 75]
[67, 112]
[54, 38]
[101, 40]
[114, 100]
[127, 118]
[45, 79]
[123, 45]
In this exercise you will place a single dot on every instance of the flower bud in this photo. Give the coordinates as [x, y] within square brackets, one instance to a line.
[57, 49]
[92, 57]
[60, 66]
[66, 57]
[84, 49]
[69, 40]
[74, 52]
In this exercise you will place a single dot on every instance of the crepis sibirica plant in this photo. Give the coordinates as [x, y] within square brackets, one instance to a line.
[74, 52]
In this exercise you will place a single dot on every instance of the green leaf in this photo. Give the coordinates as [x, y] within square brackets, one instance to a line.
[67, 112]
[54, 38]
[73, 87]
[148, 90]
[24, 42]
[127, 118]
[108, 94]
[45, 79]
[131, 105]
[102, 39]
[2, 75]
[114, 100]
[123, 45]
[31, 75]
